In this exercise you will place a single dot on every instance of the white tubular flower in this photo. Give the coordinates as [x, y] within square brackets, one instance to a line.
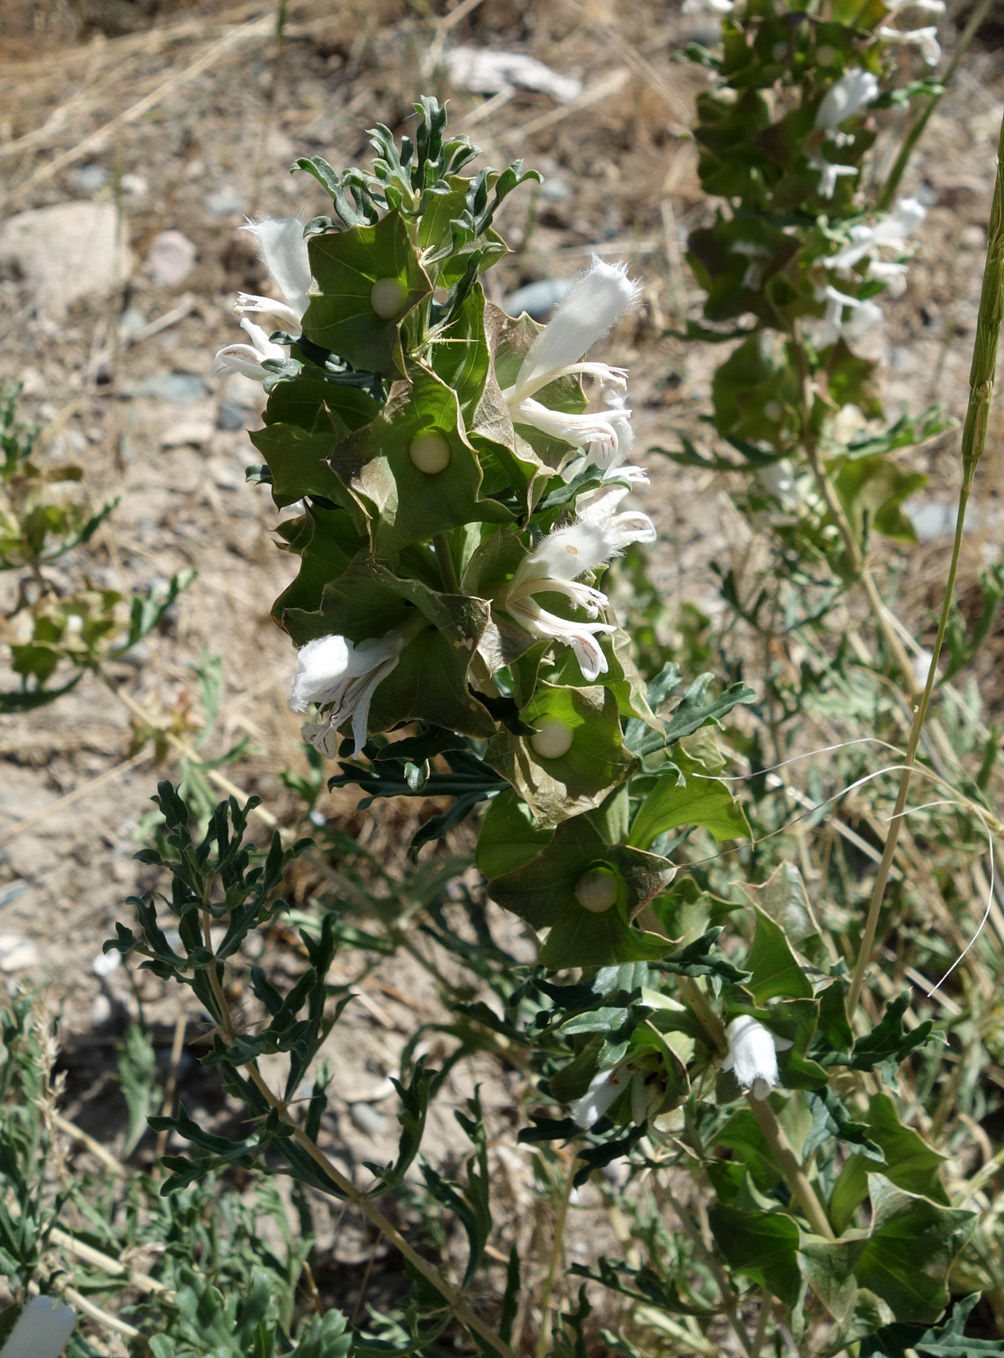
[924, 38]
[890, 233]
[248, 358]
[829, 173]
[285, 254]
[554, 565]
[41, 1330]
[777, 479]
[846, 97]
[284, 251]
[752, 1055]
[708, 6]
[603, 1089]
[587, 311]
[343, 675]
[864, 315]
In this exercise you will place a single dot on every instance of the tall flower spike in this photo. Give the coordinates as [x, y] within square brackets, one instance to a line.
[40, 1331]
[554, 565]
[586, 313]
[342, 676]
[752, 1055]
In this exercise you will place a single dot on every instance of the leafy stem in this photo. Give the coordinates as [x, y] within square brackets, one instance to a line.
[785, 1158]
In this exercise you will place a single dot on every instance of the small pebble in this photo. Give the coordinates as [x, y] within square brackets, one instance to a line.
[537, 299]
[367, 1119]
[105, 963]
[12, 890]
[170, 259]
[17, 953]
[231, 416]
[178, 388]
[223, 202]
[195, 432]
[91, 178]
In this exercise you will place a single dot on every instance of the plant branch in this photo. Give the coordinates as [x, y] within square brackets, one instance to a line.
[787, 1161]
[376, 1218]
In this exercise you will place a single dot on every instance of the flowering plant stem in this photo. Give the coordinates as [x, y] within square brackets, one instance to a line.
[359, 1200]
[974, 434]
[787, 1161]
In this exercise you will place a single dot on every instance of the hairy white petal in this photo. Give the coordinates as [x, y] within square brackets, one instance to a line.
[753, 1054]
[333, 671]
[267, 306]
[924, 38]
[284, 251]
[603, 1089]
[585, 313]
[842, 100]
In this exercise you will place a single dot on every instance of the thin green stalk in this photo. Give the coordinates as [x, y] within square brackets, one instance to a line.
[974, 435]
[916, 129]
[444, 557]
[852, 548]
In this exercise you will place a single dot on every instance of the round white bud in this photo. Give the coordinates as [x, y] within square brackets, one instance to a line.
[429, 452]
[596, 890]
[388, 297]
[552, 738]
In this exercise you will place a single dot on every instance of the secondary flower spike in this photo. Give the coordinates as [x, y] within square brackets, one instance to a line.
[753, 1055]
[587, 311]
[342, 676]
[554, 565]
[41, 1330]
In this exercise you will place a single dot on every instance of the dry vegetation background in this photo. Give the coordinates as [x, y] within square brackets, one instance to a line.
[185, 118]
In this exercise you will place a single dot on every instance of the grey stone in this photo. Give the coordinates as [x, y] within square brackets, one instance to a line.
[231, 416]
[196, 431]
[17, 953]
[64, 254]
[178, 388]
[537, 299]
[91, 178]
[223, 202]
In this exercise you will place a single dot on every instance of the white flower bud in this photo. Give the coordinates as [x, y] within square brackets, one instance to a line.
[753, 1055]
